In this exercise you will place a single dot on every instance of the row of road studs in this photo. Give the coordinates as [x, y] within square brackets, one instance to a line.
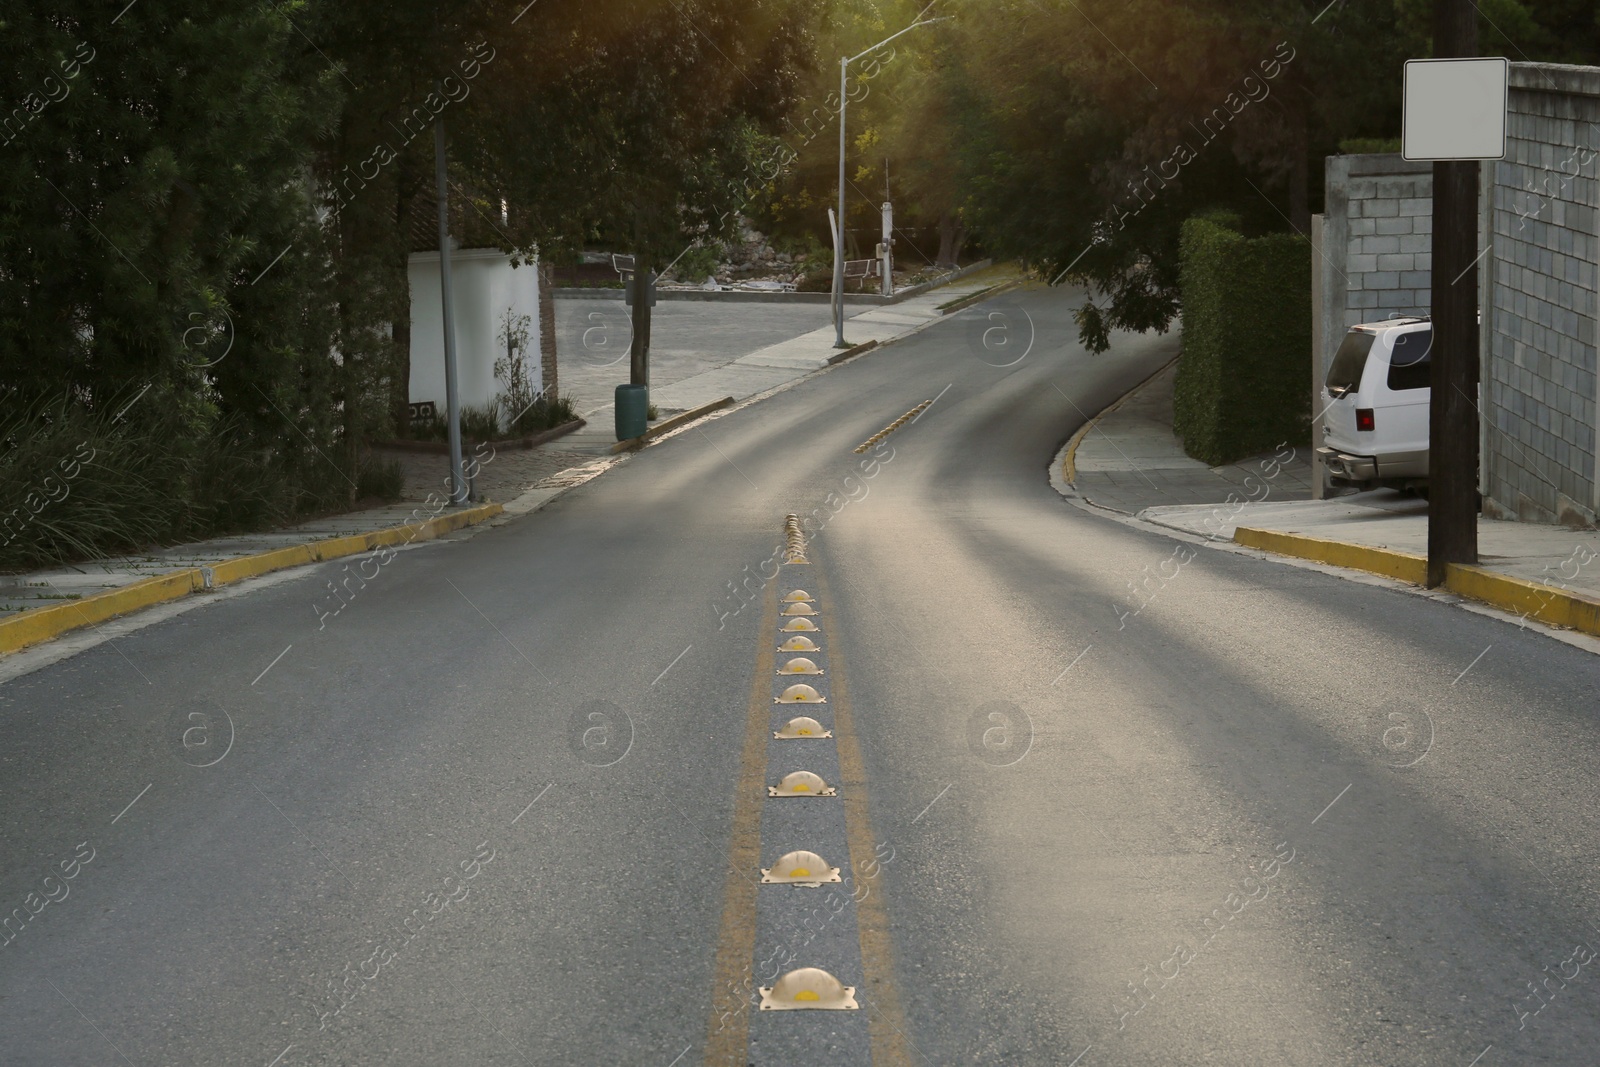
[804, 988]
[803, 913]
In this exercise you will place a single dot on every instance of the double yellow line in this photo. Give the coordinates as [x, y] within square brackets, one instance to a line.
[893, 426]
[729, 1031]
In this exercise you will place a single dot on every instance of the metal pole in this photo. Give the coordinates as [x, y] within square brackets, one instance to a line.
[1453, 410]
[888, 248]
[458, 489]
[838, 256]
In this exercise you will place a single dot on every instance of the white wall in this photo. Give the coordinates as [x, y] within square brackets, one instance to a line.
[485, 286]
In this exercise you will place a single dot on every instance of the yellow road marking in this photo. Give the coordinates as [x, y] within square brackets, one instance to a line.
[886, 1024]
[730, 1032]
[893, 426]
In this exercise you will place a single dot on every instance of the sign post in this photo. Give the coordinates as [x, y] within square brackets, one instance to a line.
[1455, 115]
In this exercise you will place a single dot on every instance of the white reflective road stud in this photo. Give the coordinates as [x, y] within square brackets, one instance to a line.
[808, 988]
[797, 596]
[804, 726]
[801, 784]
[800, 608]
[800, 694]
[799, 644]
[800, 665]
[800, 626]
[800, 868]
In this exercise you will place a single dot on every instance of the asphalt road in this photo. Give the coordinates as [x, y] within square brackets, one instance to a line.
[499, 808]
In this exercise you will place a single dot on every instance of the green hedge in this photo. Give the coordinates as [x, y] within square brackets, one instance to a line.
[1243, 383]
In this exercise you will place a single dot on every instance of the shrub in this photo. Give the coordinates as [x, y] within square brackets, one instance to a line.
[1243, 380]
[381, 479]
[84, 483]
[698, 263]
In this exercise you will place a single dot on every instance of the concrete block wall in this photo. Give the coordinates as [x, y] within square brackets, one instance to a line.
[1540, 382]
[1378, 237]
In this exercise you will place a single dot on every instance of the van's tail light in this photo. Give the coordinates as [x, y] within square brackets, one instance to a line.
[1364, 419]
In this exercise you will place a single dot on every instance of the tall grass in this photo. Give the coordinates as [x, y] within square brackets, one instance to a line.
[78, 484]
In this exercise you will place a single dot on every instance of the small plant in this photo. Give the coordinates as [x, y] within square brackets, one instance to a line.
[511, 370]
[651, 414]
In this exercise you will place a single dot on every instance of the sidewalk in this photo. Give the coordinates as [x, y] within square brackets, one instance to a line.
[40, 605]
[1128, 460]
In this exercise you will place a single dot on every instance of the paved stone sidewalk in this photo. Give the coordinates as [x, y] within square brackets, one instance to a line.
[507, 474]
[1130, 459]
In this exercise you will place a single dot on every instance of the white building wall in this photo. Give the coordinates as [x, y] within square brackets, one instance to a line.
[486, 285]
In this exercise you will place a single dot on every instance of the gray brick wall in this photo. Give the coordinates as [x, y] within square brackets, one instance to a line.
[1376, 250]
[1540, 383]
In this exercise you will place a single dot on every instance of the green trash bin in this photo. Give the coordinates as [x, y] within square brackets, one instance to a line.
[633, 411]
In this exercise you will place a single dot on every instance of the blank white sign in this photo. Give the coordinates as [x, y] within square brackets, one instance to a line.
[1454, 109]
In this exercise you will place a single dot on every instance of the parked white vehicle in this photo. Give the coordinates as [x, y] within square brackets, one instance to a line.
[1375, 405]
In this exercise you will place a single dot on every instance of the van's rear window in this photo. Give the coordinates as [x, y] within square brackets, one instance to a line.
[1409, 363]
[1344, 376]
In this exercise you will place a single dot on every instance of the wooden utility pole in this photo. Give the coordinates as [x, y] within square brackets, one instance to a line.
[1453, 406]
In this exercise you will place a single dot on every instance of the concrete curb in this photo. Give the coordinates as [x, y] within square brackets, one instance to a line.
[1542, 603]
[44, 624]
[853, 350]
[980, 296]
[634, 443]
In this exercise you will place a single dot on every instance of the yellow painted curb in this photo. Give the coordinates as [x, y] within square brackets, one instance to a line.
[1391, 564]
[32, 627]
[1558, 607]
[44, 624]
[1547, 604]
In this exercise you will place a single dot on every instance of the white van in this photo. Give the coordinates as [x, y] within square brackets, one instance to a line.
[1375, 405]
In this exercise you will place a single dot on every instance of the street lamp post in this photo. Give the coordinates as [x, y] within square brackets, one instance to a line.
[838, 254]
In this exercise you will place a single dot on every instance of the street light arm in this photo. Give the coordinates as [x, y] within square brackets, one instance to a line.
[908, 29]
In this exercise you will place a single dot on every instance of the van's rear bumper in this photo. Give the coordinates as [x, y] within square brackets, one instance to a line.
[1352, 468]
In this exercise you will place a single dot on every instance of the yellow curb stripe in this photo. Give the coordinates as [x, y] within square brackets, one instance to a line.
[886, 1026]
[728, 1038]
[43, 624]
[1391, 564]
[1556, 607]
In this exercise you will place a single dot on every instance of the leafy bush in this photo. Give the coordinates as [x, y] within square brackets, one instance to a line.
[698, 263]
[816, 281]
[1243, 381]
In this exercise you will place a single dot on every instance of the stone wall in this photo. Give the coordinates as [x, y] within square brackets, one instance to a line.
[1371, 259]
[1540, 382]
